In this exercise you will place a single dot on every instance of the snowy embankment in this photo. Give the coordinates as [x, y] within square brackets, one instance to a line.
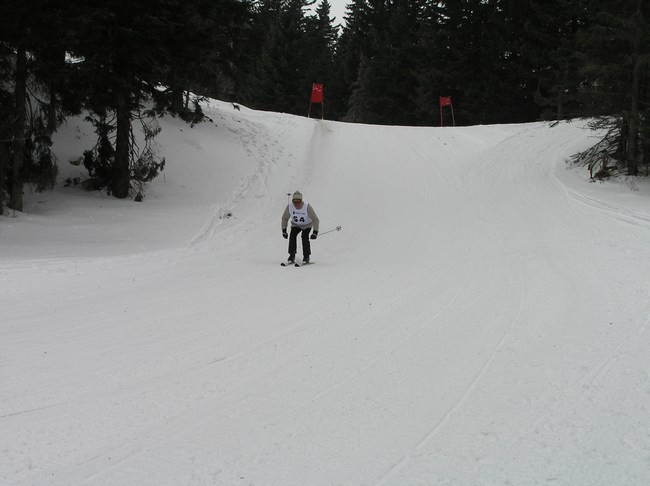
[482, 317]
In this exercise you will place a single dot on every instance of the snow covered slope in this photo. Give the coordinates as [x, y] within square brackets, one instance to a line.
[481, 318]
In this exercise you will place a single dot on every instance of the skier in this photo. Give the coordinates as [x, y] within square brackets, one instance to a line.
[303, 220]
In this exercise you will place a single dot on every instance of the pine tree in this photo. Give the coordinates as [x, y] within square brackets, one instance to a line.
[129, 50]
[389, 84]
[551, 29]
[352, 49]
[291, 51]
[204, 45]
[32, 60]
[320, 38]
[272, 82]
[616, 49]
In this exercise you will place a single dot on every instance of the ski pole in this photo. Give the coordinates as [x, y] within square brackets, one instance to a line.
[338, 228]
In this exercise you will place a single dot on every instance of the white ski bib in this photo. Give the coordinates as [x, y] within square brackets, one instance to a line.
[299, 217]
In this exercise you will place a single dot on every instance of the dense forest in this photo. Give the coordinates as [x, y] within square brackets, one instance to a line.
[387, 62]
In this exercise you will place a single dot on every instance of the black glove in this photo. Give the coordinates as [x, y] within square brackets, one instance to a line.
[284, 234]
[314, 235]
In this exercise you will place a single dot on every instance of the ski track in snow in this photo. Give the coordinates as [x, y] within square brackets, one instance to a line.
[482, 308]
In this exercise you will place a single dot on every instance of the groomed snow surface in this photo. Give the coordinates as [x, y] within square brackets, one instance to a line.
[482, 317]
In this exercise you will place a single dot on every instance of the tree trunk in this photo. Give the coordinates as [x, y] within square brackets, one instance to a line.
[177, 100]
[4, 163]
[57, 65]
[20, 115]
[622, 141]
[122, 182]
[639, 27]
[633, 139]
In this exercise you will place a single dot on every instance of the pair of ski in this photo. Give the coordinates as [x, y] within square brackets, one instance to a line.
[295, 264]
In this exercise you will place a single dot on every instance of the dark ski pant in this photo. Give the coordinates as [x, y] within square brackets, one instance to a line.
[293, 241]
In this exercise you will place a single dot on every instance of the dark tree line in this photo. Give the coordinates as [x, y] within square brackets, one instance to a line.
[501, 61]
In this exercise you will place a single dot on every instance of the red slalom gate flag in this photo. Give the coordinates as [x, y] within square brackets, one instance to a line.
[444, 102]
[316, 93]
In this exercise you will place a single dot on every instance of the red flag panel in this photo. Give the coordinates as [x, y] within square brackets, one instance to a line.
[445, 101]
[316, 93]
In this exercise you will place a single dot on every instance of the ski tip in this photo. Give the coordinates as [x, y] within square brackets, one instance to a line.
[295, 264]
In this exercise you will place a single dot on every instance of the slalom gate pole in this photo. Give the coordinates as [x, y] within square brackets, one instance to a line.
[338, 228]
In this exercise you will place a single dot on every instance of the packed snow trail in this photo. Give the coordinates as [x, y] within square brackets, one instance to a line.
[481, 311]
